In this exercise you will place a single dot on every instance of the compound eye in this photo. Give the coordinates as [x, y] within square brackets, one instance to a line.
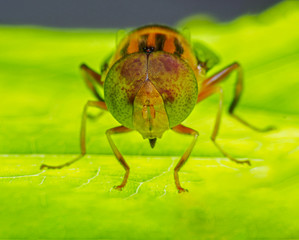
[176, 83]
[122, 84]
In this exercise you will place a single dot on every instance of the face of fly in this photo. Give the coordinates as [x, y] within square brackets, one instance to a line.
[150, 92]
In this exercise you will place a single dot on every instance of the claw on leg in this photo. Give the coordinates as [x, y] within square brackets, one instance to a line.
[181, 190]
[45, 166]
[242, 161]
[247, 161]
[119, 187]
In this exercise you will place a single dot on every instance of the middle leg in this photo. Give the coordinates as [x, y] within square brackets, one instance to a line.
[97, 104]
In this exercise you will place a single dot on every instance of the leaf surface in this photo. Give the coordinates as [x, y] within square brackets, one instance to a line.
[42, 98]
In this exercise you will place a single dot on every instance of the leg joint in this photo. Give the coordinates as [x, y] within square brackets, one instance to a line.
[108, 132]
[195, 134]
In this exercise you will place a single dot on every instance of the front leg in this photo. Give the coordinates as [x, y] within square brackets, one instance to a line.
[183, 130]
[116, 130]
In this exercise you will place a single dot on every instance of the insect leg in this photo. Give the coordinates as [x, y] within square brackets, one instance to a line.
[183, 130]
[90, 77]
[219, 90]
[116, 130]
[220, 76]
[97, 104]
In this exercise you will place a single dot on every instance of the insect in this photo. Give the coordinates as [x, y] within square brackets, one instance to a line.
[151, 84]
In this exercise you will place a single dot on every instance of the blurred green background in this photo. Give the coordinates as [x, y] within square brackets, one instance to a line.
[42, 98]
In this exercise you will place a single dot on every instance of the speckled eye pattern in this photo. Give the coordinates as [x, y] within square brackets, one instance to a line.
[171, 76]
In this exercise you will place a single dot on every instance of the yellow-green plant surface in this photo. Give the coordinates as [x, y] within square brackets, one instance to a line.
[42, 97]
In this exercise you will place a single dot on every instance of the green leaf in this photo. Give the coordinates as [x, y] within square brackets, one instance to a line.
[42, 98]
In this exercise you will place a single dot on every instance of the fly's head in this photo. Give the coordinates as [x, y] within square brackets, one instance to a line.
[150, 92]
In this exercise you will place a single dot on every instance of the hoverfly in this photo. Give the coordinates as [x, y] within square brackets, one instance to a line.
[151, 84]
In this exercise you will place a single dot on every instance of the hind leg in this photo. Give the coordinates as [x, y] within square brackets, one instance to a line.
[207, 93]
[210, 82]
[92, 78]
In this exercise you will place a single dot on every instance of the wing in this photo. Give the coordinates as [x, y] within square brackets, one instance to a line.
[205, 56]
